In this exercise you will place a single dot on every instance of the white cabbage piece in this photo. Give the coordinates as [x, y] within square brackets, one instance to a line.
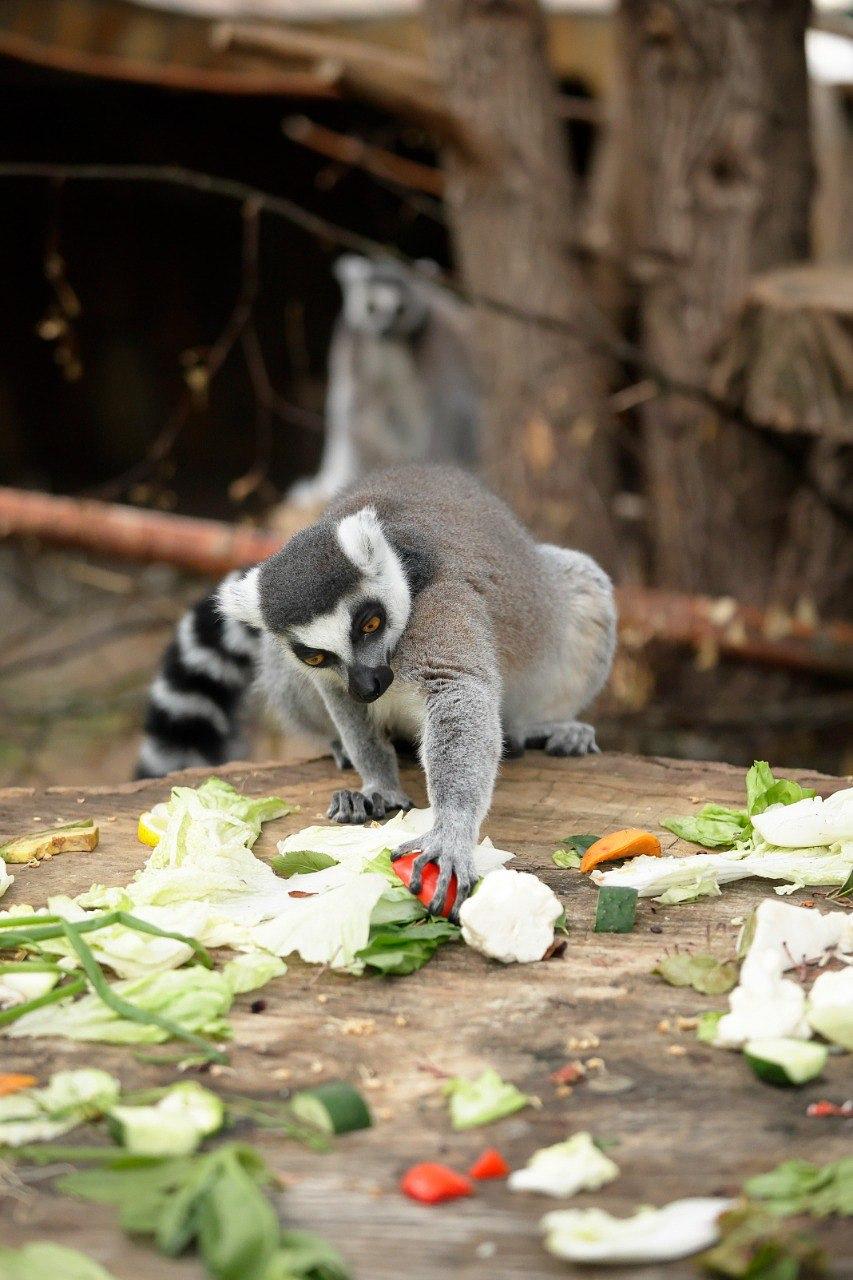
[763, 1005]
[511, 917]
[5, 879]
[651, 1235]
[328, 927]
[18, 988]
[68, 1100]
[173, 1126]
[830, 1006]
[797, 935]
[808, 822]
[354, 846]
[251, 970]
[565, 1168]
[701, 874]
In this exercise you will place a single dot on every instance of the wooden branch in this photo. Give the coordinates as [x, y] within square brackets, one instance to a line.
[285, 42]
[213, 548]
[363, 155]
[396, 82]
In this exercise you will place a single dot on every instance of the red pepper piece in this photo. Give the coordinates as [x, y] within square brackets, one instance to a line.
[821, 1109]
[432, 1183]
[490, 1164]
[429, 881]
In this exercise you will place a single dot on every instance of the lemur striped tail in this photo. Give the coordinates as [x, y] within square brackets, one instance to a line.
[194, 703]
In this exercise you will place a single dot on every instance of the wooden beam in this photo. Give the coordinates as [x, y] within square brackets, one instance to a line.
[211, 547]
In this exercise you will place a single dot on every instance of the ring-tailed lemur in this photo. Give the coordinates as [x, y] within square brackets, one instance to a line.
[416, 605]
[401, 386]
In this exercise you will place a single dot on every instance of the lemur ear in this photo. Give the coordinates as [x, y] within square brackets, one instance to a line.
[239, 598]
[362, 541]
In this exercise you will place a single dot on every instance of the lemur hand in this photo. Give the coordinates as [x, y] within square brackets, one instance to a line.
[358, 806]
[453, 854]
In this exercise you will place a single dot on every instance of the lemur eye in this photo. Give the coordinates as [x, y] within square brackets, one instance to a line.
[371, 625]
[314, 659]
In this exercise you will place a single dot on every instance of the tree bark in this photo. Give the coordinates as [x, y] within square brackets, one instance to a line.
[548, 441]
[720, 178]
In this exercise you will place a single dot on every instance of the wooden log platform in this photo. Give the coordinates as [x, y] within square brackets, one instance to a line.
[694, 1121]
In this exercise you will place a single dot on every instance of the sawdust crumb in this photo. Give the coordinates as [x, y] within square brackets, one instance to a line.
[357, 1026]
[316, 1067]
[664, 1027]
[282, 1073]
[677, 1051]
[594, 1064]
[322, 999]
[400, 1021]
[687, 1024]
[564, 1090]
[574, 1043]
[383, 1113]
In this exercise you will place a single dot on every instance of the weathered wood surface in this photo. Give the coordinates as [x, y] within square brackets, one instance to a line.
[695, 1122]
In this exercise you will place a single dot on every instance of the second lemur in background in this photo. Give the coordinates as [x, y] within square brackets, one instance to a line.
[401, 387]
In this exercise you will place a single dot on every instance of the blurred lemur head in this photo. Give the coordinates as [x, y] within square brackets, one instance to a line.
[337, 597]
[381, 299]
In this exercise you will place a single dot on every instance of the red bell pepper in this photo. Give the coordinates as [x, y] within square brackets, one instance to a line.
[432, 1183]
[429, 881]
[490, 1164]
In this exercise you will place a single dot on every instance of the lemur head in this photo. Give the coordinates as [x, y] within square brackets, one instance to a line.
[380, 298]
[336, 596]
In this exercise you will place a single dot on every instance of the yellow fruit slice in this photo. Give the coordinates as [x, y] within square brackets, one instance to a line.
[152, 825]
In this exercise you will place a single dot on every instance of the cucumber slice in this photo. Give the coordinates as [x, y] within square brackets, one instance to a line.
[335, 1107]
[616, 909]
[778, 1060]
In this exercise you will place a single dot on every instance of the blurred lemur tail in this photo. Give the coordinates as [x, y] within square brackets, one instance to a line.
[194, 703]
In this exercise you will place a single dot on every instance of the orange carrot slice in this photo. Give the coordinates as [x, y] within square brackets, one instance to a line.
[12, 1083]
[629, 843]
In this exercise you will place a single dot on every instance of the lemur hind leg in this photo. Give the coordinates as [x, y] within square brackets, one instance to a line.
[583, 621]
[569, 738]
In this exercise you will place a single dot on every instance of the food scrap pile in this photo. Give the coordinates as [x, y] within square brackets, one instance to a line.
[204, 921]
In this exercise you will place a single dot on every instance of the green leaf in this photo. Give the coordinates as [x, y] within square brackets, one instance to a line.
[714, 826]
[297, 862]
[43, 1260]
[401, 949]
[704, 973]
[846, 890]
[236, 1225]
[303, 1256]
[567, 859]
[796, 1186]
[579, 843]
[480, 1101]
[762, 789]
[706, 1030]
[755, 1245]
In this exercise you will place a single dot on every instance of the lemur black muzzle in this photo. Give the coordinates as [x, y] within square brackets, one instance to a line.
[368, 683]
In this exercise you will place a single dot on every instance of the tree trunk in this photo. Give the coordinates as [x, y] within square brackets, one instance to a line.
[549, 437]
[720, 178]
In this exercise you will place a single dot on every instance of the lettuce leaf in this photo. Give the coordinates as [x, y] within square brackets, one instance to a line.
[68, 1100]
[480, 1101]
[718, 826]
[195, 997]
[301, 861]
[251, 970]
[404, 948]
[43, 1260]
[796, 1186]
[704, 973]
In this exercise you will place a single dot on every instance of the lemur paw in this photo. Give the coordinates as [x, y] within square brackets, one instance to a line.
[339, 755]
[451, 858]
[358, 807]
[572, 739]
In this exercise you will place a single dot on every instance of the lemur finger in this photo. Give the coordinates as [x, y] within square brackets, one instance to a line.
[421, 861]
[464, 885]
[445, 871]
[410, 846]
